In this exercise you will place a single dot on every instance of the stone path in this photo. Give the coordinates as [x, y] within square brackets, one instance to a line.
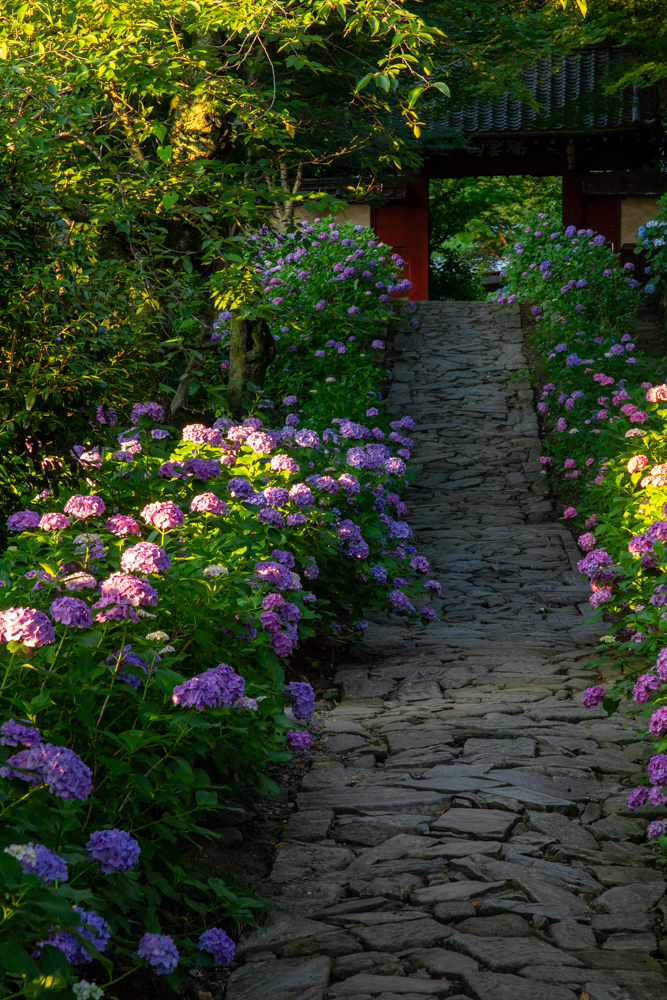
[465, 833]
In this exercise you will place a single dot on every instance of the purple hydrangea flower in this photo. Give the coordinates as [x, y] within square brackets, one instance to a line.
[303, 698]
[94, 928]
[434, 587]
[399, 601]
[395, 465]
[26, 625]
[274, 573]
[72, 612]
[271, 517]
[219, 944]
[658, 722]
[113, 850]
[299, 739]
[125, 657]
[646, 687]
[84, 506]
[419, 563]
[593, 696]
[327, 484]
[159, 951]
[379, 574]
[217, 686]
[428, 614]
[637, 797]
[59, 767]
[270, 622]
[35, 859]
[657, 828]
[22, 520]
[657, 770]
[145, 557]
[13, 734]
[350, 484]
[281, 644]
[163, 515]
[151, 410]
[306, 438]
[276, 496]
[201, 468]
[656, 797]
[122, 525]
[64, 772]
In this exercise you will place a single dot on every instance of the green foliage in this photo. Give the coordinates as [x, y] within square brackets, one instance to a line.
[109, 690]
[477, 218]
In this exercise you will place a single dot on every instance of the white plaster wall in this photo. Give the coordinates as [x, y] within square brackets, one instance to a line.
[636, 210]
[358, 215]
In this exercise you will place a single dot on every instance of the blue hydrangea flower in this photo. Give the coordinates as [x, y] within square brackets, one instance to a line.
[114, 850]
[219, 944]
[159, 951]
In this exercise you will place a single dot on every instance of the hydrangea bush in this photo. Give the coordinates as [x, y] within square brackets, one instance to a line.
[146, 617]
[603, 410]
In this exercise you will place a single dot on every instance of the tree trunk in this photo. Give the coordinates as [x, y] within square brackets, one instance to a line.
[251, 351]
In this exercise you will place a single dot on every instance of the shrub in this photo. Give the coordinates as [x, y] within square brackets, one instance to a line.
[147, 613]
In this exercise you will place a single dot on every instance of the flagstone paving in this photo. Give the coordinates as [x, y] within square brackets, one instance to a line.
[465, 834]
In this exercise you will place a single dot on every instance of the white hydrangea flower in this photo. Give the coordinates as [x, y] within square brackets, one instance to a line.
[215, 571]
[157, 636]
[167, 649]
[144, 614]
[83, 990]
[609, 639]
[21, 851]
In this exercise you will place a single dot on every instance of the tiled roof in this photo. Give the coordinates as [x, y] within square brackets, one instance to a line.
[555, 83]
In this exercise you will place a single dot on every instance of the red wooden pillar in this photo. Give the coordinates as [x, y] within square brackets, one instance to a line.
[404, 226]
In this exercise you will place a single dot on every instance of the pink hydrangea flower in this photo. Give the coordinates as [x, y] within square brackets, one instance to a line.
[53, 521]
[208, 503]
[122, 588]
[122, 525]
[145, 557]
[84, 506]
[262, 442]
[26, 625]
[586, 542]
[284, 463]
[163, 515]
[79, 581]
[657, 393]
[570, 512]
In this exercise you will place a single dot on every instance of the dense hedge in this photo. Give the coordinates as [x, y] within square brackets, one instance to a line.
[148, 610]
[604, 420]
